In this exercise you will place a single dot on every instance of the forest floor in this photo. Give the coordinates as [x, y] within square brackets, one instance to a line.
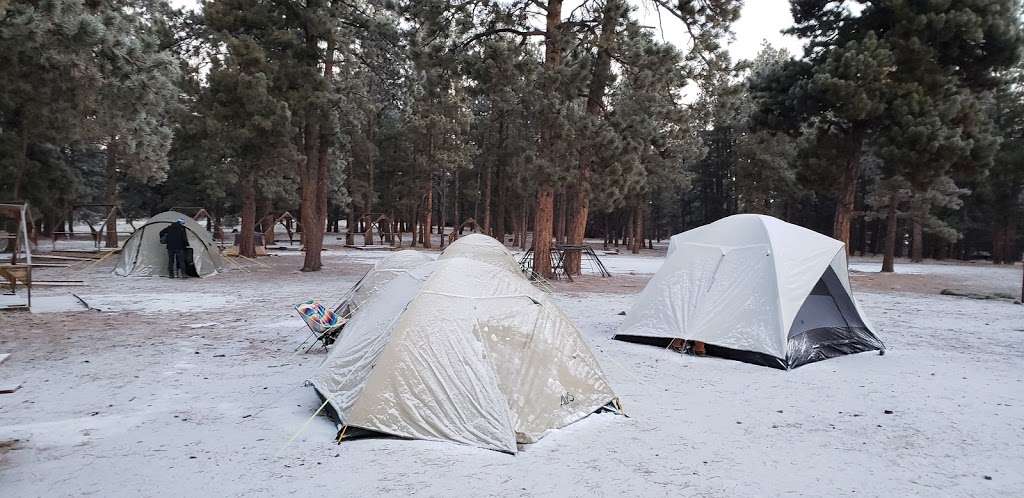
[192, 388]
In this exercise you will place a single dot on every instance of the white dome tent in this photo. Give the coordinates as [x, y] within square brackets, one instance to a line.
[382, 273]
[458, 350]
[144, 255]
[756, 289]
[484, 249]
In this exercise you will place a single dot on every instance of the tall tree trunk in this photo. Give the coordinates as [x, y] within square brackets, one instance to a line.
[456, 206]
[1010, 255]
[543, 217]
[542, 221]
[890, 236]
[246, 237]
[524, 222]
[846, 191]
[414, 228]
[47, 222]
[312, 236]
[323, 180]
[612, 11]
[607, 232]
[370, 173]
[862, 237]
[917, 240]
[999, 242]
[442, 213]
[218, 227]
[350, 225]
[901, 248]
[876, 237]
[500, 215]
[428, 211]
[486, 225]
[560, 201]
[516, 222]
[627, 229]
[312, 219]
[110, 195]
[638, 229]
[350, 216]
[20, 162]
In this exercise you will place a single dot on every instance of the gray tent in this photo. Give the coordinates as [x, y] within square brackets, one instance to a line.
[755, 289]
[144, 255]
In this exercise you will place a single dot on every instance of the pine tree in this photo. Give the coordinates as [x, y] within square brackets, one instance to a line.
[138, 92]
[936, 122]
[301, 41]
[48, 78]
[248, 125]
[1002, 189]
[82, 74]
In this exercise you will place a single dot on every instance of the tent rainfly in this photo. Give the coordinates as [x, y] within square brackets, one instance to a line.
[756, 289]
[144, 255]
[457, 350]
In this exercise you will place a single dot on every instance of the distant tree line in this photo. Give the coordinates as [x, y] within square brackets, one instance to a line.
[897, 131]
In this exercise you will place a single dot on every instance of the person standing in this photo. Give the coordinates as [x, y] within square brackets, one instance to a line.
[176, 239]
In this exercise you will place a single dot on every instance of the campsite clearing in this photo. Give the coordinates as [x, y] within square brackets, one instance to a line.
[189, 387]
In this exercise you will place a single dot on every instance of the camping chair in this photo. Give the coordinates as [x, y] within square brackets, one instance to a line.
[322, 322]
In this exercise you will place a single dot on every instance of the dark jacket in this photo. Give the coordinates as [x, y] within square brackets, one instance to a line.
[175, 237]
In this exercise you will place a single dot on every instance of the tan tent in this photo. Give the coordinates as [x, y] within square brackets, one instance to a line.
[457, 350]
[144, 255]
[382, 273]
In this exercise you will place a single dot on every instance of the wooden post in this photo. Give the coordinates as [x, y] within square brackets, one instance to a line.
[28, 252]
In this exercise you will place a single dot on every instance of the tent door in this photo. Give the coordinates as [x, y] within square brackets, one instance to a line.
[190, 263]
[827, 325]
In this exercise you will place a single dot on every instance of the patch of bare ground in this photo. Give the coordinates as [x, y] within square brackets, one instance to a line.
[616, 284]
[898, 282]
[982, 279]
[7, 445]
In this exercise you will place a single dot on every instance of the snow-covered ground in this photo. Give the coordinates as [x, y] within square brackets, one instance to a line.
[192, 388]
